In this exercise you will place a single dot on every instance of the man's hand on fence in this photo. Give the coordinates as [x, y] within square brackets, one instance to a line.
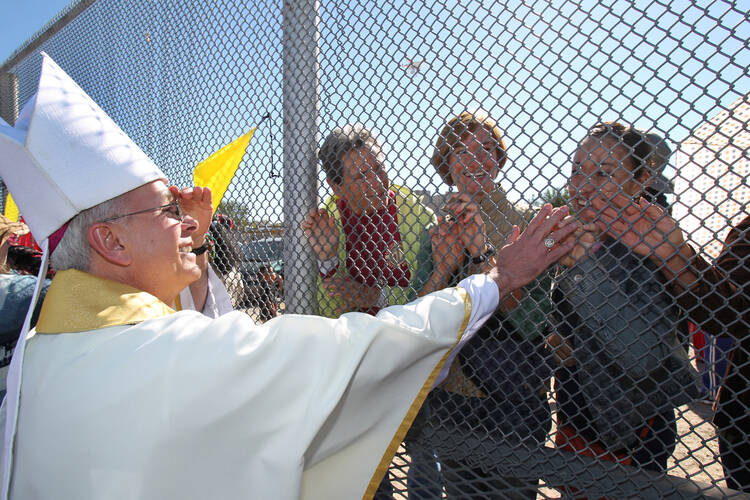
[527, 254]
[465, 212]
[322, 234]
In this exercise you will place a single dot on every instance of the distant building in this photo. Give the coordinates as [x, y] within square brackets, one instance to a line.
[434, 201]
[711, 181]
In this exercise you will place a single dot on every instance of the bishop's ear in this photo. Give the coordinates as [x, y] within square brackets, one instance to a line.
[105, 242]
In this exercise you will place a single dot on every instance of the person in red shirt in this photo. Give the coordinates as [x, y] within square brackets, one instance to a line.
[367, 235]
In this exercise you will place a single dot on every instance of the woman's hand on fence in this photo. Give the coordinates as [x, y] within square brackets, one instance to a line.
[447, 251]
[447, 248]
[585, 239]
[644, 227]
[527, 254]
[321, 232]
[469, 222]
[356, 295]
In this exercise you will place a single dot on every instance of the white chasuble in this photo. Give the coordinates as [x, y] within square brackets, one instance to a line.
[122, 398]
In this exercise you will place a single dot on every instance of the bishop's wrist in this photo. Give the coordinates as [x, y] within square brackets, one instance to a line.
[502, 280]
[202, 245]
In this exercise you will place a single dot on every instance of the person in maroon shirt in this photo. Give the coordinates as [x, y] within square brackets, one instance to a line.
[714, 297]
[367, 235]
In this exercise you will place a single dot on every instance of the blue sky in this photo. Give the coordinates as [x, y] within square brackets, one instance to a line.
[546, 71]
[23, 18]
[184, 80]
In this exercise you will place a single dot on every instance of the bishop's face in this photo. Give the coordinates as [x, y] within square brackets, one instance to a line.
[158, 242]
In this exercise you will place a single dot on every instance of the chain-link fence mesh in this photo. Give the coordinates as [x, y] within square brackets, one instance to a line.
[599, 378]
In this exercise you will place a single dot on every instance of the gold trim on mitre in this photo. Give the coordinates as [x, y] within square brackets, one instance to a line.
[78, 302]
[406, 423]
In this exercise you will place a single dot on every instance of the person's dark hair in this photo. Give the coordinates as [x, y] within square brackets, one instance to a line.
[226, 254]
[647, 153]
[24, 259]
[339, 142]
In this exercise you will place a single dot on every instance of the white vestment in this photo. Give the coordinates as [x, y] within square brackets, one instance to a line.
[218, 300]
[153, 404]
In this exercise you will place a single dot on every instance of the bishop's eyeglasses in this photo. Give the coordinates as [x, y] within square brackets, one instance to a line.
[173, 210]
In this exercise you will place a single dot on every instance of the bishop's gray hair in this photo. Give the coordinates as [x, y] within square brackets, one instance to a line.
[74, 251]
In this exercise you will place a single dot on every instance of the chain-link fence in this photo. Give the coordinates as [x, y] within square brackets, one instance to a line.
[596, 380]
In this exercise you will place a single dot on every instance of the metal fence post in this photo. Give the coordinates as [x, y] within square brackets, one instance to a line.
[8, 112]
[300, 94]
[8, 97]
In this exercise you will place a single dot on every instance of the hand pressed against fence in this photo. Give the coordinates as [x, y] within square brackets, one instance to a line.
[585, 239]
[321, 232]
[464, 210]
[353, 294]
[525, 255]
[447, 249]
[644, 227]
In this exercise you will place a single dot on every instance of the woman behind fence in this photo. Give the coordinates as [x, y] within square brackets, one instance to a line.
[716, 297]
[495, 392]
[622, 369]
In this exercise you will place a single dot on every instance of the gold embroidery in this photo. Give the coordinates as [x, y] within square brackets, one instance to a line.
[390, 452]
[78, 302]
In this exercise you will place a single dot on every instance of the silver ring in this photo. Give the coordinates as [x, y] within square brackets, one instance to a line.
[549, 242]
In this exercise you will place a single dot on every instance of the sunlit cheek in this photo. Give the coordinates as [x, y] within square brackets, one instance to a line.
[488, 184]
[611, 189]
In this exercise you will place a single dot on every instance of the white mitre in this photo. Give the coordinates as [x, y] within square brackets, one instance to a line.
[65, 155]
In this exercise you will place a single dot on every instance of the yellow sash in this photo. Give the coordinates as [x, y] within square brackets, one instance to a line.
[78, 302]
